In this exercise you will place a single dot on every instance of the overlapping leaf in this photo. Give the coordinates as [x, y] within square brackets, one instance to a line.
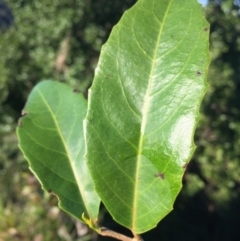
[143, 109]
[51, 138]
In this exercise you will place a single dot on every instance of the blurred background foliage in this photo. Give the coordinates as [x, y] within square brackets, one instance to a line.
[61, 39]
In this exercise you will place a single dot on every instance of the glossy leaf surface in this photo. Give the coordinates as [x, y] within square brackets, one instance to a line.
[143, 109]
[51, 138]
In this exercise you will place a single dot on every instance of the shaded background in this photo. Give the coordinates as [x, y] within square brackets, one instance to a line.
[61, 40]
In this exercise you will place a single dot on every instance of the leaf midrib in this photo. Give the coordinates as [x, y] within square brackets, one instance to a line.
[144, 119]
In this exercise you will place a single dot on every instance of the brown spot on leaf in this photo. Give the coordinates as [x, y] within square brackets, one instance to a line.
[49, 191]
[160, 175]
[199, 73]
[96, 93]
[90, 120]
[205, 29]
[76, 91]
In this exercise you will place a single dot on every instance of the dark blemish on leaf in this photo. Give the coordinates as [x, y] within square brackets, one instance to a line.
[49, 191]
[205, 29]
[76, 91]
[160, 175]
[199, 73]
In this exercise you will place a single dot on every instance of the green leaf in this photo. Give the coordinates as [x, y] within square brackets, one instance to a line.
[143, 109]
[51, 138]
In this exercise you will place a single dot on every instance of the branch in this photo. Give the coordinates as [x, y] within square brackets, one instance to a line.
[109, 233]
[137, 237]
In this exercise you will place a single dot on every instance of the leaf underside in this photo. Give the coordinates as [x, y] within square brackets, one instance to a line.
[143, 109]
[51, 138]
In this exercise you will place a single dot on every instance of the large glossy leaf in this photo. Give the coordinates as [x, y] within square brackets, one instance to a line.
[51, 138]
[143, 109]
